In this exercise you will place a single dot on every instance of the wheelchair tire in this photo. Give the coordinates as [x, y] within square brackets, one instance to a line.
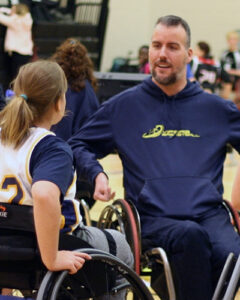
[120, 216]
[59, 286]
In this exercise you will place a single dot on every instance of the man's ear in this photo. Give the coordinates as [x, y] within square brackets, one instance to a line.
[190, 55]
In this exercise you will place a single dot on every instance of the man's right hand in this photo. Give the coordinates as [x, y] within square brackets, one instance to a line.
[102, 190]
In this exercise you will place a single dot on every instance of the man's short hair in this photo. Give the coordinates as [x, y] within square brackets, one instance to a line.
[172, 20]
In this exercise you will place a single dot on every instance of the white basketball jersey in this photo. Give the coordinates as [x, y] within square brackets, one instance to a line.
[16, 180]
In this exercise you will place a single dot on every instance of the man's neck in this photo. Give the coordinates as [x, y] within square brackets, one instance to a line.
[172, 89]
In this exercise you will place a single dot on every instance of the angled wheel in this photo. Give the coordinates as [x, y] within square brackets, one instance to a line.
[111, 218]
[233, 214]
[124, 217]
[95, 279]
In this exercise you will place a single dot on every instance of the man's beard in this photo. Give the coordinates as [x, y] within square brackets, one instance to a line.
[171, 79]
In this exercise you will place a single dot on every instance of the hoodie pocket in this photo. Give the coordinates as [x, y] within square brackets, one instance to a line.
[177, 196]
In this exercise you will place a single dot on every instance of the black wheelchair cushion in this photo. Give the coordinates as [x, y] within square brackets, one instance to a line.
[18, 217]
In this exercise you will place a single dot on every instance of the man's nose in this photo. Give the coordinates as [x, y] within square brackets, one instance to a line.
[162, 52]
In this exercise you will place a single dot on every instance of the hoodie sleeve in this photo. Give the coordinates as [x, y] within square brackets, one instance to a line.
[93, 141]
[234, 125]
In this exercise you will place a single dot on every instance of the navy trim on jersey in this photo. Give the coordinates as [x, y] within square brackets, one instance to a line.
[52, 161]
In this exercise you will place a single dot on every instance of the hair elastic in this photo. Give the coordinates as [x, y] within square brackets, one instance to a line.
[24, 96]
[72, 42]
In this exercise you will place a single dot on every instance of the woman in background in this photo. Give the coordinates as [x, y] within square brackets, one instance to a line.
[81, 100]
[18, 43]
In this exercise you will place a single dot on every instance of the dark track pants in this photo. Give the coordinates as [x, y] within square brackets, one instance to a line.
[197, 249]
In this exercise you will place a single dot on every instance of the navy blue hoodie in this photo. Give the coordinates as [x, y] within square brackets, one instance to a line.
[172, 148]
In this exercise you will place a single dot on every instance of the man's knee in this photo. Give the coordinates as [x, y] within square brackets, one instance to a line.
[190, 236]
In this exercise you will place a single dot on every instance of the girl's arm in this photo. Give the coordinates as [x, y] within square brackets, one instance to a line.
[47, 216]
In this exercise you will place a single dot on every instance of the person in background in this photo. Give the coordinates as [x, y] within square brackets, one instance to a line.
[171, 137]
[81, 100]
[2, 98]
[230, 62]
[144, 66]
[18, 43]
[189, 73]
[206, 70]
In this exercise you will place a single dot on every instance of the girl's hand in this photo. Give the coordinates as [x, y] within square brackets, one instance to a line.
[69, 260]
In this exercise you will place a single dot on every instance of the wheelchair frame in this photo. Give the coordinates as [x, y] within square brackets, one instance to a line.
[18, 257]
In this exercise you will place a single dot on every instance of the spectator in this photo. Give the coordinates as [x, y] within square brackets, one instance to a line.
[18, 43]
[230, 62]
[171, 137]
[2, 98]
[143, 60]
[205, 69]
[190, 75]
[81, 100]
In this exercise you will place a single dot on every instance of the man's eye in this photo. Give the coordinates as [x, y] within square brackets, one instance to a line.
[156, 46]
[173, 47]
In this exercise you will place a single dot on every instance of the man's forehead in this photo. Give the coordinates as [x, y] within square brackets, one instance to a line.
[171, 33]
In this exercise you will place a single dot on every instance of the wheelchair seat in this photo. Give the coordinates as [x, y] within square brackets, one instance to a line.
[21, 266]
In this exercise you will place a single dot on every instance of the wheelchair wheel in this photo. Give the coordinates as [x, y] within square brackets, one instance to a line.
[95, 279]
[121, 216]
[111, 218]
[233, 215]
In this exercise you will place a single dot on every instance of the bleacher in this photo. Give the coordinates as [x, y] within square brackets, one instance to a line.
[86, 21]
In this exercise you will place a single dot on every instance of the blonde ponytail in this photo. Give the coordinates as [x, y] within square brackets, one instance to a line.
[15, 120]
[37, 86]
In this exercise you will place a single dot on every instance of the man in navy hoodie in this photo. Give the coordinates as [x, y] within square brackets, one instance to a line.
[171, 137]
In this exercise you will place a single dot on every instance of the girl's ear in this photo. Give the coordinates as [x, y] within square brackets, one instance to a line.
[58, 105]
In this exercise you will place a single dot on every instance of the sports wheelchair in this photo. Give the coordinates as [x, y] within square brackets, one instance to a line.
[21, 267]
[123, 216]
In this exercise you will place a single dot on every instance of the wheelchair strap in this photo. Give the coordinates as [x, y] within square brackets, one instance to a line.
[70, 242]
[111, 242]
